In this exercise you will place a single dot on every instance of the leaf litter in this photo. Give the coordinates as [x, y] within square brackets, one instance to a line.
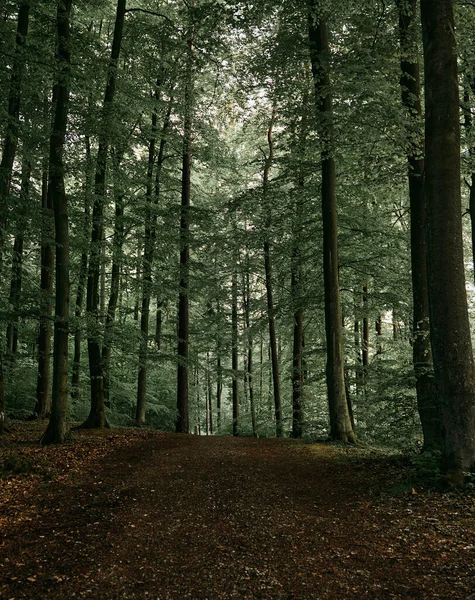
[120, 514]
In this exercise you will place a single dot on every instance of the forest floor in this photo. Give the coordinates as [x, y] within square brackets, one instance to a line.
[138, 514]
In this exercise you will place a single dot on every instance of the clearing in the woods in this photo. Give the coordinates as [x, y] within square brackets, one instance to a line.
[137, 514]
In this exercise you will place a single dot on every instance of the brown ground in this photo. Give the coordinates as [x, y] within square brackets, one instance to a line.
[136, 514]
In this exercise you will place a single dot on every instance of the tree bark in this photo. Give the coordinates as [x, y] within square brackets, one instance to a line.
[82, 280]
[43, 385]
[118, 243]
[297, 378]
[182, 422]
[17, 261]
[269, 287]
[8, 156]
[234, 348]
[97, 417]
[340, 423]
[57, 427]
[449, 323]
[427, 398]
[250, 357]
[152, 197]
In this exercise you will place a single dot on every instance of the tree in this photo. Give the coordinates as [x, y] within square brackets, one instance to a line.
[8, 156]
[182, 423]
[269, 286]
[97, 416]
[427, 400]
[340, 423]
[449, 325]
[57, 427]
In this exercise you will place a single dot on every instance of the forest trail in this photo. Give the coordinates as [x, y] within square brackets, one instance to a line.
[145, 515]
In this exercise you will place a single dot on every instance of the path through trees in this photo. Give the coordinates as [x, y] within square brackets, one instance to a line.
[136, 514]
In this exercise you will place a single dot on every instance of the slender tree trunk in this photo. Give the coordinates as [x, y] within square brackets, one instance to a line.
[449, 324]
[97, 417]
[148, 257]
[378, 326]
[219, 391]
[43, 386]
[269, 287]
[365, 329]
[249, 365]
[57, 427]
[426, 390]
[340, 423]
[297, 379]
[17, 261]
[210, 394]
[115, 279]
[8, 156]
[158, 323]
[182, 423]
[234, 348]
[82, 280]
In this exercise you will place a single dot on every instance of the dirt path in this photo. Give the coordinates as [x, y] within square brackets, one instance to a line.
[168, 517]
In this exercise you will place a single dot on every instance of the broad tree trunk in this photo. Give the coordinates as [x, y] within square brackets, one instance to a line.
[97, 417]
[8, 156]
[340, 423]
[426, 390]
[57, 428]
[182, 423]
[449, 323]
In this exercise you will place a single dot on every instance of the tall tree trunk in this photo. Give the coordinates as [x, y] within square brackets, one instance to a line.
[249, 362]
[158, 323]
[234, 348]
[469, 89]
[8, 156]
[219, 390]
[340, 423]
[17, 261]
[43, 386]
[269, 287]
[182, 422]
[115, 277]
[426, 390]
[152, 197]
[449, 323]
[97, 417]
[378, 326]
[365, 352]
[82, 280]
[297, 379]
[210, 394]
[57, 427]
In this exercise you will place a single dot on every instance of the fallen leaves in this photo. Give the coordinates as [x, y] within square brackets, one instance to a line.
[136, 514]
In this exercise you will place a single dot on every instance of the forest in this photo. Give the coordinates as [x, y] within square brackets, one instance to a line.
[240, 218]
